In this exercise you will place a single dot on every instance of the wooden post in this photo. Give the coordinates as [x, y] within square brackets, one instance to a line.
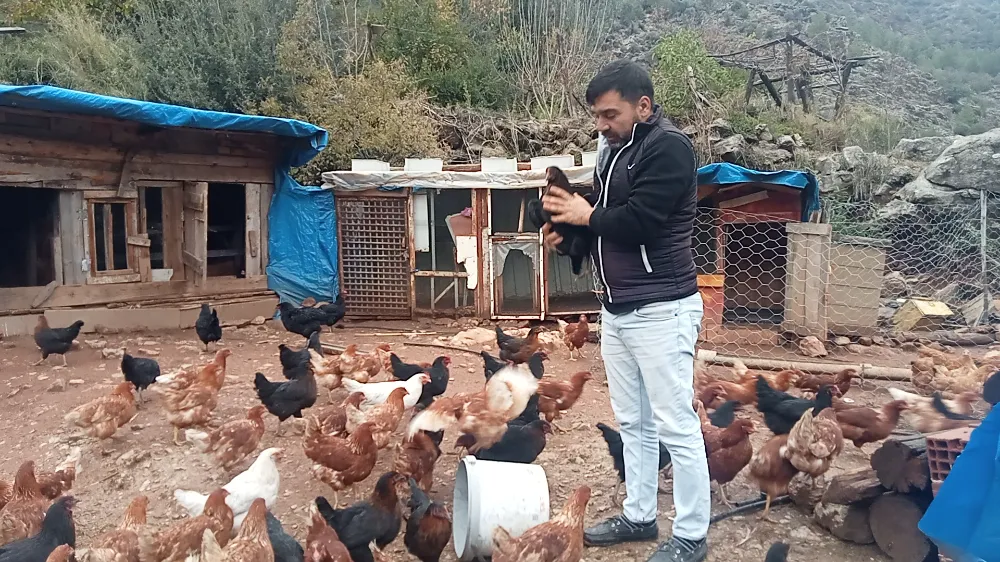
[806, 279]
[749, 91]
[771, 90]
[901, 464]
[852, 487]
[252, 230]
[845, 76]
[893, 519]
[71, 236]
[789, 73]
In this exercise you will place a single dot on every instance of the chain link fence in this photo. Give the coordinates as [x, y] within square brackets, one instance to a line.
[874, 283]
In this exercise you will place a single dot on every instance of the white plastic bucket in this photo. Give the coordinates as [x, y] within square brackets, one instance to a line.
[490, 494]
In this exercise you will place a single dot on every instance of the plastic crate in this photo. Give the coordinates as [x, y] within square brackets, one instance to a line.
[943, 448]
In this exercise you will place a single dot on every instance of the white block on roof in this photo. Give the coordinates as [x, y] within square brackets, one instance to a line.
[423, 165]
[363, 165]
[499, 165]
[561, 161]
[589, 158]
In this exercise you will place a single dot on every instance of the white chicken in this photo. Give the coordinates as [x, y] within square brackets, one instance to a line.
[261, 480]
[921, 415]
[378, 392]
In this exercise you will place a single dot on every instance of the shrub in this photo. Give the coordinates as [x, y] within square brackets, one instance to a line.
[674, 54]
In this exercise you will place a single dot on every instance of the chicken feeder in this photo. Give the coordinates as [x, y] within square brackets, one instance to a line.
[490, 494]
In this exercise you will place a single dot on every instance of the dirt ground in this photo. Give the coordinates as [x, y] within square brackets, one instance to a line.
[143, 460]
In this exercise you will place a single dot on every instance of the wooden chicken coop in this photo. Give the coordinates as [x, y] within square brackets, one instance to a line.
[109, 209]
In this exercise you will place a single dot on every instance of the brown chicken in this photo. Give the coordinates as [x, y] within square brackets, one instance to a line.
[840, 381]
[729, 451]
[416, 456]
[373, 363]
[575, 335]
[384, 418]
[815, 441]
[559, 539]
[337, 461]
[22, 516]
[480, 417]
[863, 425]
[517, 350]
[214, 373]
[62, 553]
[175, 544]
[193, 404]
[103, 416]
[922, 416]
[233, 441]
[52, 484]
[948, 373]
[555, 397]
[771, 471]
[327, 371]
[251, 544]
[122, 543]
[333, 419]
[322, 542]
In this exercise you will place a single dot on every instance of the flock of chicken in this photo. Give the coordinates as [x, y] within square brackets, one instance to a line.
[507, 420]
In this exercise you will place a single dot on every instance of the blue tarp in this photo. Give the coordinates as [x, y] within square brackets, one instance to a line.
[726, 174]
[964, 518]
[302, 229]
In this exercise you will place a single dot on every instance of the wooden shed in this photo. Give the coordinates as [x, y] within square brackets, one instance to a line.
[114, 204]
[455, 240]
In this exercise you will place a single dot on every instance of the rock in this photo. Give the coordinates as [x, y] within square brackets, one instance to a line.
[771, 157]
[971, 162]
[57, 385]
[826, 165]
[926, 149]
[810, 346]
[878, 340]
[691, 131]
[786, 142]
[720, 128]
[804, 534]
[762, 132]
[894, 286]
[96, 344]
[899, 176]
[798, 140]
[857, 349]
[731, 149]
[8, 345]
[258, 321]
[149, 352]
[473, 337]
[114, 353]
[922, 191]
[841, 341]
[133, 457]
[866, 341]
[853, 156]
[908, 346]
[76, 382]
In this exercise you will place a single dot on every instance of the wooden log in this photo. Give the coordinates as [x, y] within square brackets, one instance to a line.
[947, 337]
[901, 464]
[805, 492]
[853, 487]
[846, 522]
[893, 519]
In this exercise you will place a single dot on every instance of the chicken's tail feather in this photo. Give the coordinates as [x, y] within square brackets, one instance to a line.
[200, 439]
[96, 555]
[190, 500]
[210, 549]
[430, 420]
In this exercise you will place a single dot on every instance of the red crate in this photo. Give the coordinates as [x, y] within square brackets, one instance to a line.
[943, 448]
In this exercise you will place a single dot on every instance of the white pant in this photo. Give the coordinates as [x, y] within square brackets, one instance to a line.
[649, 358]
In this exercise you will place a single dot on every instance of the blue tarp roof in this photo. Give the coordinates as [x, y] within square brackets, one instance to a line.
[302, 240]
[51, 98]
[727, 174]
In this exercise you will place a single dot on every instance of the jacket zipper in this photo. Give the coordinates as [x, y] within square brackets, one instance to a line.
[645, 258]
[605, 187]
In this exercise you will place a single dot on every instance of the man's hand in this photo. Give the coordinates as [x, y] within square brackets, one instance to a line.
[551, 237]
[567, 208]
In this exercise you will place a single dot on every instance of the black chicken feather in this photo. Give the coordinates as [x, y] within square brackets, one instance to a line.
[438, 384]
[724, 415]
[364, 522]
[777, 553]
[423, 511]
[207, 325]
[57, 341]
[140, 371]
[781, 410]
[938, 404]
[576, 240]
[991, 389]
[57, 529]
[285, 547]
[491, 365]
[303, 321]
[403, 371]
[617, 450]
[335, 311]
[286, 399]
[520, 444]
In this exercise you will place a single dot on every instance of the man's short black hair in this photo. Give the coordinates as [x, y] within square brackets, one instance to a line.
[626, 77]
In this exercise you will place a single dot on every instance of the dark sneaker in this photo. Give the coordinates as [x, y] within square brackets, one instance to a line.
[680, 550]
[617, 530]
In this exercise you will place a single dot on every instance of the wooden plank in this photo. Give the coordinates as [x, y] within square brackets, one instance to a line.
[71, 236]
[173, 230]
[57, 259]
[140, 240]
[19, 298]
[103, 194]
[744, 200]
[44, 294]
[855, 276]
[858, 256]
[252, 230]
[861, 297]
[109, 237]
[807, 278]
[196, 232]
[266, 194]
[111, 279]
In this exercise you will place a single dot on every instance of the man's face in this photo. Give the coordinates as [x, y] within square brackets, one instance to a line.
[615, 116]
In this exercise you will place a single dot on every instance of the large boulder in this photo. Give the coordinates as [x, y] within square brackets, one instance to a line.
[925, 149]
[969, 163]
[853, 157]
[731, 149]
[924, 192]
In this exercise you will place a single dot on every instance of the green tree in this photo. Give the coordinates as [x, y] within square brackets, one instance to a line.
[674, 55]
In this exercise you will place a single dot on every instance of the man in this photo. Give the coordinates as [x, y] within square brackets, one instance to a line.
[641, 217]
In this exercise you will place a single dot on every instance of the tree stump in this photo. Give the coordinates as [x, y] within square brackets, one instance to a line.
[852, 487]
[806, 493]
[846, 522]
[901, 464]
[893, 519]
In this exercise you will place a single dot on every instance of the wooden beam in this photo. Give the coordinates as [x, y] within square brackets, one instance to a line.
[754, 48]
[44, 294]
[111, 279]
[749, 89]
[771, 90]
[744, 200]
[252, 230]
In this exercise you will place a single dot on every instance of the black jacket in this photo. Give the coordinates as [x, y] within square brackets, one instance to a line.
[645, 201]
